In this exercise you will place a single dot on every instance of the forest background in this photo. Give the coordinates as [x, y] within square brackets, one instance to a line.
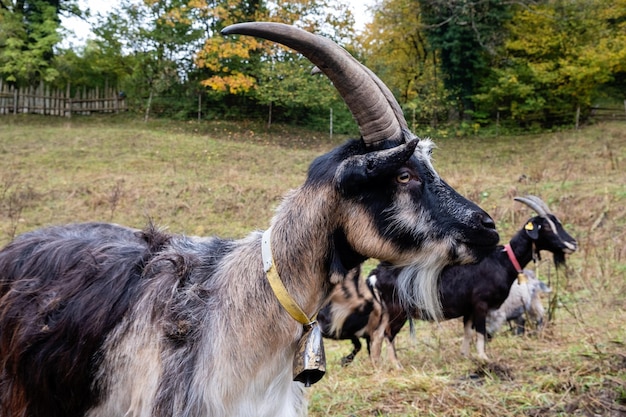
[456, 66]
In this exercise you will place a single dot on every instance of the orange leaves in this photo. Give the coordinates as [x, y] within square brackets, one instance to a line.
[235, 83]
[218, 53]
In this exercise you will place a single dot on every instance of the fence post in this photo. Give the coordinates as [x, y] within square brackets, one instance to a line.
[577, 115]
[68, 100]
[199, 106]
[15, 97]
[44, 94]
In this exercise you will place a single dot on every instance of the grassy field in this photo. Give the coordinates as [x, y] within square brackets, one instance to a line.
[226, 179]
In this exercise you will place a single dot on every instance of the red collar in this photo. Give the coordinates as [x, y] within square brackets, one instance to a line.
[509, 251]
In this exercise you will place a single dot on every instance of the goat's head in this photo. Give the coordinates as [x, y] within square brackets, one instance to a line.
[393, 204]
[546, 231]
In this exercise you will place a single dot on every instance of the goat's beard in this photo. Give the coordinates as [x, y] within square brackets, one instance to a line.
[418, 289]
[559, 259]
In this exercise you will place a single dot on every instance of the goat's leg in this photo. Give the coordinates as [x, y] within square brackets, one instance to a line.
[481, 341]
[391, 353]
[347, 360]
[480, 325]
[377, 335]
[520, 325]
[480, 346]
[468, 332]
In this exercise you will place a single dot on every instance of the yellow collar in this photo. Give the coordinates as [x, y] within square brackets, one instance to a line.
[281, 293]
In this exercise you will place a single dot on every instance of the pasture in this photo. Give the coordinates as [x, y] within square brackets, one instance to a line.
[226, 179]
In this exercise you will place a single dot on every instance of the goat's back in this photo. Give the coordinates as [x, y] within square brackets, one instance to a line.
[62, 289]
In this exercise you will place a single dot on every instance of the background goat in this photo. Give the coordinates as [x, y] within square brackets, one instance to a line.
[471, 291]
[523, 301]
[103, 320]
[365, 309]
[352, 312]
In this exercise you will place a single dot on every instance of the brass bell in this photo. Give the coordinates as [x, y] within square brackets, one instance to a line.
[309, 364]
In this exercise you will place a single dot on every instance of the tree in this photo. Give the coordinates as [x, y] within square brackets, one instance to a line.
[466, 35]
[264, 72]
[29, 30]
[155, 41]
[395, 47]
[558, 57]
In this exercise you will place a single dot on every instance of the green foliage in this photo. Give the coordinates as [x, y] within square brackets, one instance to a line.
[155, 41]
[558, 56]
[466, 34]
[270, 75]
[394, 45]
[28, 33]
[455, 66]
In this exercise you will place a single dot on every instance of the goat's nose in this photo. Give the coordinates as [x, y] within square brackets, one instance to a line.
[487, 221]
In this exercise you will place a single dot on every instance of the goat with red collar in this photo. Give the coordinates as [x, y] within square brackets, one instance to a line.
[484, 286]
[471, 291]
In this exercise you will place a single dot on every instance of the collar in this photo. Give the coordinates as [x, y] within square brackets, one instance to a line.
[521, 277]
[281, 293]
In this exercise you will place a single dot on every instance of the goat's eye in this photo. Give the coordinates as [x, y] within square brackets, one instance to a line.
[403, 177]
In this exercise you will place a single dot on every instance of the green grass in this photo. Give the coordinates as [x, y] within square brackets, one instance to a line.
[227, 179]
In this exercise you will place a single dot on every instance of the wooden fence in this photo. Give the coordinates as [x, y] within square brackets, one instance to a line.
[44, 100]
[609, 113]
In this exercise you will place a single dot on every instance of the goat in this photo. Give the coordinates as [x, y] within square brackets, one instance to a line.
[104, 320]
[365, 309]
[352, 312]
[471, 291]
[523, 300]
[394, 312]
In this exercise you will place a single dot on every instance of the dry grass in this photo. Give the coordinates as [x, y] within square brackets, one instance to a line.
[226, 179]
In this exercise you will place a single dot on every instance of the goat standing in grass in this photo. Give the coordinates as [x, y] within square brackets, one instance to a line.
[523, 300]
[470, 291]
[101, 320]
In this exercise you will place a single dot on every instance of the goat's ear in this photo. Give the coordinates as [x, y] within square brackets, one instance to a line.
[532, 229]
[360, 169]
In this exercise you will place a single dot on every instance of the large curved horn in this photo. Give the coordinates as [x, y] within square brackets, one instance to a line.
[375, 110]
[535, 203]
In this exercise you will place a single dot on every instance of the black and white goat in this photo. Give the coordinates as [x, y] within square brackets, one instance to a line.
[353, 312]
[523, 302]
[471, 291]
[364, 309]
[101, 320]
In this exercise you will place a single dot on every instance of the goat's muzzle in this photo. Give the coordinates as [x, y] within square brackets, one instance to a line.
[570, 247]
